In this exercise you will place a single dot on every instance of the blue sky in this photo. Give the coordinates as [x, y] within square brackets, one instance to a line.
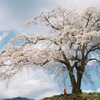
[13, 14]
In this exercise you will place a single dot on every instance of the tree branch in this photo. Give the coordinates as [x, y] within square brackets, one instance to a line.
[91, 60]
[93, 48]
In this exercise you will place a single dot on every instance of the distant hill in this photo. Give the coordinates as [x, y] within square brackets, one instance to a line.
[19, 98]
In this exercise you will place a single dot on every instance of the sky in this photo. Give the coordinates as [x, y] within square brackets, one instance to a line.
[13, 15]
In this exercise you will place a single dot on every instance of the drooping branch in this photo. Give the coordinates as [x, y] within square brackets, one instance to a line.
[76, 36]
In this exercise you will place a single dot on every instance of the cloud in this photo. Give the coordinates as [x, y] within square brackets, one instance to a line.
[88, 91]
[98, 90]
[3, 35]
[7, 20]
[91, 91]
[78, 4]
[13, 13]
[35, 84]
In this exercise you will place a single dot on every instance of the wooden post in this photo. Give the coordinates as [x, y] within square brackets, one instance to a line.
[65, 91]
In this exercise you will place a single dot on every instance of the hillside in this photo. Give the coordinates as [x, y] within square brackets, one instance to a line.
[83, 96]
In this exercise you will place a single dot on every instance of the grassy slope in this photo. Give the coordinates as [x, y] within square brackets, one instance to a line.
[83, 96]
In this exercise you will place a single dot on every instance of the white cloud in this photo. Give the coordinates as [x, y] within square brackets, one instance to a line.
[35, 84]
[98, 90]
[13, 17]
[7, 21]
[91, 91]
[78, 4]
[14, 13]
[3, 35]
[88, 91]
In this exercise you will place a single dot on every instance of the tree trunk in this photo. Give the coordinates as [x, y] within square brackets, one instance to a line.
[76, 88]
[76, 85]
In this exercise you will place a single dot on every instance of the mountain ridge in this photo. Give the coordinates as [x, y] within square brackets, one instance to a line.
[18, 98]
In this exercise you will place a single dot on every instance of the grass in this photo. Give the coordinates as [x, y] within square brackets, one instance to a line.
[82, 96]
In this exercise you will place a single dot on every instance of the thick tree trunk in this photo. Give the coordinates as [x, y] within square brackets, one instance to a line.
[76, 84]
[76, 88]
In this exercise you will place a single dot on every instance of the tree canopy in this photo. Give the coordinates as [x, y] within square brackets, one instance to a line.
[73, 48]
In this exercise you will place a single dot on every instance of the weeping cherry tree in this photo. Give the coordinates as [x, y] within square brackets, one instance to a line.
[72, 48]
